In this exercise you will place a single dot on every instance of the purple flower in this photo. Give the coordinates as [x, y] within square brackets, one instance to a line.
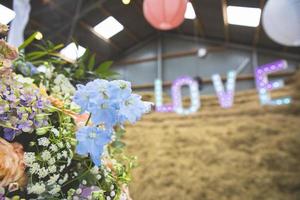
[25, 126]
[10, 134]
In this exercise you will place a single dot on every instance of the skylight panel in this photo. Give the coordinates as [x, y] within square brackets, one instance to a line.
[108, 27]
[6, 14]
[190, 12]
[243, 16]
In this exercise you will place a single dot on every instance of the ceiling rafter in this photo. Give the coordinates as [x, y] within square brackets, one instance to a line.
[80, 15]
[86, 27]
[198, 21]
[258, 29]
[38, 24]
[126, 29]
[225, 20]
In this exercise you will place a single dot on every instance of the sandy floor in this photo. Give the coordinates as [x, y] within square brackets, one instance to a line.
[244, 153]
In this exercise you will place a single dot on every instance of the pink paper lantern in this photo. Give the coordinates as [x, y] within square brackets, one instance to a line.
[165, 14]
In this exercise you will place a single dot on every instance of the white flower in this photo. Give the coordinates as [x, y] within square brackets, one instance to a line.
[69, 161]
[53, 179]
[108, 198]
[62, 168]
[53, 148]
[95, 170]
[42, 172]
[55, 132]
[68, 145]
[113, 193]
[52, 169]
[55, 190]
[58, 156]
[21, 79]
[98, 177]
[37, 188]
[34, 168]
[60, 145]
[78, 191]
[29, 158]
[62, 181]
[46, 155]
[65, 154]
[43, 141]
[46, 70]
[51, 161]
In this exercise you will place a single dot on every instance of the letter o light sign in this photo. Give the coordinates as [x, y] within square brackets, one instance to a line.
[177, 95]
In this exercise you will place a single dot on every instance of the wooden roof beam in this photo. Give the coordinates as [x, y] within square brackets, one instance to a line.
[258, 29]
[225, 20]
[198, 21]
[87, 27]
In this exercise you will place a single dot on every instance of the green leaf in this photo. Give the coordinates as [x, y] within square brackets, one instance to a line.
[79, 73]
[92, 62]
[118, 144]
[104, 66]
[85, 56]
[28, 41]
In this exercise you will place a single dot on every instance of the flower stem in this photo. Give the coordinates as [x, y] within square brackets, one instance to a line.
[88, 120]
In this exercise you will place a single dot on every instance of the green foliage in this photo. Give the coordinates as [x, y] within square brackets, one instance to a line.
[82, 70]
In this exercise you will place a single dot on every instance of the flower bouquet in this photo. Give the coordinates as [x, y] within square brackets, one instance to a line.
[59, 142]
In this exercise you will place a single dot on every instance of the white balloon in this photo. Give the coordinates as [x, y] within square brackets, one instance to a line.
[281, 21]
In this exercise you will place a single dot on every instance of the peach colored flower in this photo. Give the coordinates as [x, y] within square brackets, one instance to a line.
[3, 28]
[7, 51]
[12, 166]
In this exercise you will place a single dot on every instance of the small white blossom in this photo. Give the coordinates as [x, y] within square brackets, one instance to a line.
[69, 161]
[58, 156]
[60, 145]
[29, 158]
[78, 191]
[68, 145]
[52, 169]
[53, 179]
[51, 161]
[43, 141]
[55, 132]
[62, 168]
[112, 193]
[62, 181]
[53, 148]
[84, 182]
[95, 170]
[65, 154]
[34, 168]
[42, 172]
[37, 188]
[98, 177]
[56, 189]
[46, 155]
[108, 198]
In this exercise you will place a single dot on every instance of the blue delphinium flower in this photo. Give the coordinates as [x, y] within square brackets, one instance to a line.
[104, 113]
[110, 103]
[132, 109]
[91, 140]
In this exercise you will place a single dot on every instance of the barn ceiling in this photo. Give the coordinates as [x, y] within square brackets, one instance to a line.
[62, 21]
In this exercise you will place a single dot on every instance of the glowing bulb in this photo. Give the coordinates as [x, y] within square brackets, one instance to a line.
[126, 2]
[38, 36]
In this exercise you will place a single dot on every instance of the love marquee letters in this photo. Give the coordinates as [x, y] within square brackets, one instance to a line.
[225, 93]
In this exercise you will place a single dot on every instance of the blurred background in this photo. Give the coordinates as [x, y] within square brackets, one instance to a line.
[248, 150]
